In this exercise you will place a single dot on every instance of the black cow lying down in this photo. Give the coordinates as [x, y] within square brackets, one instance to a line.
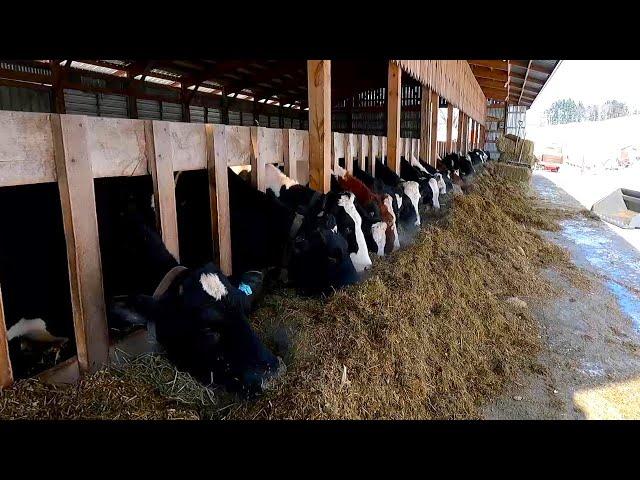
[197, 315]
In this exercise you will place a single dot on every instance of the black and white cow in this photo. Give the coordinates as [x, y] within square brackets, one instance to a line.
[444, 181]
[339, 204]
[410, 189]
[196, 314]
[34, 278]
[267, 233]
[429, 189]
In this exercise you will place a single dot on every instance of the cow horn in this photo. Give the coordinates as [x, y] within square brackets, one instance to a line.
[168, 279]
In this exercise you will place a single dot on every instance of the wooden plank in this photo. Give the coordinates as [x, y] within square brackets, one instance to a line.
[319, 91]
[299, 155]
[350, 151]
[493, 64]
[217, 164]
[75, 181]
[433, 138]
[459, 142]
[257, 161]
[26, 148]
[238, 142]
[161, 167]
[373, 153]
[383, 148]
[6, 375]
[394, 89]
[465, 133]
[188, 145]
[290, 168]
[337, 148]
[117, 147]
[449, 127]
[425, 123]
[363, 147]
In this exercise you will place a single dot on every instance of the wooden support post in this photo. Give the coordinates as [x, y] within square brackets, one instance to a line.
[394, 89]
[371, 155]
[473, 131]
[290, 167]
[185, 99]
[219, 195]
[448, 145]
[433, 138]
[425, 123]
[348, 152]
[465, 133]
[362, 151]
[57, 87]
[6, 375]
[161, 166]
[257, 159]
[460, 144]
[75, 182]
[319, 89]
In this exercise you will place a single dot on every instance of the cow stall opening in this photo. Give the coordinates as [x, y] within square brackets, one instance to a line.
[85, 150]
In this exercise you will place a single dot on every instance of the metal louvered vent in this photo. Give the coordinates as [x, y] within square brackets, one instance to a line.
[24, 100]
[213, 115]
[114, 106]
[274, 122]
[247, 119]
[196, 113]
[171, 112]
[148, 109]
[80, 103]
[234, 118]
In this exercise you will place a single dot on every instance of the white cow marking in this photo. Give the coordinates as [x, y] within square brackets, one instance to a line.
[212, 285]
[360, 259]
[412, 190]
[378, 232]
[399, 200]
[275, 179]
[389, 204]
[434, 193]
[339, 171]
[441, 184]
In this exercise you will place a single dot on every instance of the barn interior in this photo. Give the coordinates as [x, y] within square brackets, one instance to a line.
[467, 103]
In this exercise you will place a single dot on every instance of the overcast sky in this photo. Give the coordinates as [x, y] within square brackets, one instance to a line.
[591, 82]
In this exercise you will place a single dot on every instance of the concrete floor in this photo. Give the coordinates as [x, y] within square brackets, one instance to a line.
[589, 366]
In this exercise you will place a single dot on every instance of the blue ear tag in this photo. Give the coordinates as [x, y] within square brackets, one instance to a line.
[245, 288]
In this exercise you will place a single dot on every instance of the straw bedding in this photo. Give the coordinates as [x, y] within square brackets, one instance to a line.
[430, 333]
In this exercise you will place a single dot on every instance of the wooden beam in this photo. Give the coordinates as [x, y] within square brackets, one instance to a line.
[433, 138]
[319, 88]
[425, 123]
[524, 84]
[460, 129]
[500, 94]
[6, 374]
[493, 64]
[465, 133]
[161, 166]
[484, 72]
[217, 162]
[394, 92]
[449, 127]
[75, 182]
[486, 82]
[58, 78]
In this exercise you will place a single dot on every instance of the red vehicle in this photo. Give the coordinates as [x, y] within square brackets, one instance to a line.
[551, 159]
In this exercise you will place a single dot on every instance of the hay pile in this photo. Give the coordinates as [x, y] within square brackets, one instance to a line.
[107, 394]
[515, 149]
[430, 334]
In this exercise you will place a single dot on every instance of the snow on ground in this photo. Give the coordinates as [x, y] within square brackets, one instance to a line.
[589, 186]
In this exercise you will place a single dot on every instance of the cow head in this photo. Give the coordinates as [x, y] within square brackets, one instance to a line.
[199, 318]
[320, 257]
[409, 214]
[342, 206]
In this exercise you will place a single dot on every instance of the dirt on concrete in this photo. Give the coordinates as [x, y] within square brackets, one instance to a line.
[589, 366]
